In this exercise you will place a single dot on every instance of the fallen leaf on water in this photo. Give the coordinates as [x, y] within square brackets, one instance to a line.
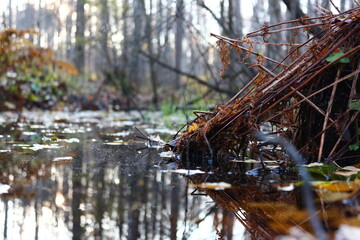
[314, 164]
[351, 168]
[338, 186]
[286, 188]
[168, 154]
[328, 196]
[63, 159]
[345, 173]
[215, 185]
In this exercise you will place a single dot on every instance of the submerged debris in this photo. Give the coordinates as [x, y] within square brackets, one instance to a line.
[310, 97]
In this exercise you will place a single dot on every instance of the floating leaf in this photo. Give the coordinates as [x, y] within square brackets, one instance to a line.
[324, 172]
[214, 186]
[352, 168]
[63, 159]
[328, 196]
[338, 186]
[168, 154]
[346, 173]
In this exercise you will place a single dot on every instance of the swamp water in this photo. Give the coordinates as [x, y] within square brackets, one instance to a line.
[87, 175]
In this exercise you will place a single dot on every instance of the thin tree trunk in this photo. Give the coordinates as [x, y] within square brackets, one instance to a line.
[134, 60]
[179, 39]
[10, 14]
[79, 58]
[39, 23]
[151, 53]
[104, 31]
[342, 5]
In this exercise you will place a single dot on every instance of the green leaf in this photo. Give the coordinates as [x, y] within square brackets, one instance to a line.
[355, 105]
[325, 172]
[32, 97]
[354, 147]
[335, 56]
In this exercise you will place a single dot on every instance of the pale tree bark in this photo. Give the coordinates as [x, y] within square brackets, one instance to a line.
[104, 33]
[68, 29]
[325, 4]
[179, 35]
[342, 5]
[150, 47]
[274, 12]
[10, 14]
[124, 69]
[231, 18]
[238, 21]
[79, 58]
[39, 22]
[295, 11]
[135, 46]
[310, 8]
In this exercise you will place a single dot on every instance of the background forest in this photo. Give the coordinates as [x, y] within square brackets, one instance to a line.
[134, 53]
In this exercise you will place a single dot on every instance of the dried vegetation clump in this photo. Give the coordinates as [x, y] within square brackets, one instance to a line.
[310, 97]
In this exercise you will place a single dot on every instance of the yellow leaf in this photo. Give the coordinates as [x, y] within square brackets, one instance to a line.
[338, 187]
[67, 67]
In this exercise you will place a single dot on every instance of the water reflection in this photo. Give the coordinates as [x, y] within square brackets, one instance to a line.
[83, 176]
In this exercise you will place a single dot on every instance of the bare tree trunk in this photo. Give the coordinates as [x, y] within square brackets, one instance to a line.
[134, 60]
[68, 45]
[325, 4]
[342, 5]
[39, 22]
[274, 12]
[238, 21]
[104, 31]
[148, 32]
[10, 14]
[79, 58]
[179, 39]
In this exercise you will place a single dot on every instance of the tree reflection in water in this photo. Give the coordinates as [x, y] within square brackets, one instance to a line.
[83, 176]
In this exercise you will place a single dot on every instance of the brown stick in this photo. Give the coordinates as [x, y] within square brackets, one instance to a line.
[245, 49]
[328, 111]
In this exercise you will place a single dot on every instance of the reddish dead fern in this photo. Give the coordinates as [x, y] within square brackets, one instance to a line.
[310, 97]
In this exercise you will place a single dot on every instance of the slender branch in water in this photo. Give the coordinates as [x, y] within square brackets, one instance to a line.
[306, 188]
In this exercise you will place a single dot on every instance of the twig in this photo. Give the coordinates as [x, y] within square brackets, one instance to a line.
[337, 9]
[342, 133]
[286, 29]
[315, 93]
[298, 93]
[315, 74]
[229, 41]
[328, 111]
[242, 90]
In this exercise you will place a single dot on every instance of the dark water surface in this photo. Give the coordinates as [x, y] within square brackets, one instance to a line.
[86, 176]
